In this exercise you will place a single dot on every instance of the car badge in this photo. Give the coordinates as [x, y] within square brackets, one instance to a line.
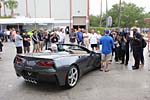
[29, 73]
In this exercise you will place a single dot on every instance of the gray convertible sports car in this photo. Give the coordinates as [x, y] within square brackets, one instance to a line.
[64, 67]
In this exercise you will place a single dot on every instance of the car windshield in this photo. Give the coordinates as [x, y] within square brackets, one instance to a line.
[72, 49]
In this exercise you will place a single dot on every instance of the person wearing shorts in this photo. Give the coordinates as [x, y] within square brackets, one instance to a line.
[18, 42]
[41, 39]
[107, 42]
[35, 40]
[26, 42]
[93, 40]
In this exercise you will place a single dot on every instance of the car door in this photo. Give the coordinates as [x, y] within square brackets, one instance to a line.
[83, 62]
[87, 62]
[95, 59]
[84, 59]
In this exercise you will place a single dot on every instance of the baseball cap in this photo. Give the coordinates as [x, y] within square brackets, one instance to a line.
[107, 31]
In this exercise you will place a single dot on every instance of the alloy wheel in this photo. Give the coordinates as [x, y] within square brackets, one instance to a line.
[72, 76]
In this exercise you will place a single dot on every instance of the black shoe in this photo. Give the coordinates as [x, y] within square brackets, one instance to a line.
[101, 70]
[134, 68]
[126, 64]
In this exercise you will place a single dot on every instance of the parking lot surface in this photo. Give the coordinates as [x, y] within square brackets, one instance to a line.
[121, 83]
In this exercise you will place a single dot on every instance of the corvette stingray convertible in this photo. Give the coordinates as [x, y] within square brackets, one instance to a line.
[64, 67]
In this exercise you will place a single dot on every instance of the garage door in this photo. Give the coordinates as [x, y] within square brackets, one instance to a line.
[79, 20]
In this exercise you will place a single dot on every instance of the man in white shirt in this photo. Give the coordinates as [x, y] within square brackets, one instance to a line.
[8, 35]
[18, 42]
[93, 40]
[61, 36]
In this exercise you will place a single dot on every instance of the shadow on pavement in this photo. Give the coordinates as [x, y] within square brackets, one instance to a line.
[42, 87]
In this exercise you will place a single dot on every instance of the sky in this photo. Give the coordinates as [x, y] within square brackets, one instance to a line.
[95, 5]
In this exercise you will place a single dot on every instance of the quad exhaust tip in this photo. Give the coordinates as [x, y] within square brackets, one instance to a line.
[31, 81]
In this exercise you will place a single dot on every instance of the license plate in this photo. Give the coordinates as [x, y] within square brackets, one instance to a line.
[31, 63]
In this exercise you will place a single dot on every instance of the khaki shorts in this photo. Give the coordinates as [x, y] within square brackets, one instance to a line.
[106, 57]
[36, 46]
[41, 43]
[27, 49]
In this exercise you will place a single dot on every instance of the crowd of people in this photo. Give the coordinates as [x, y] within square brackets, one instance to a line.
[40, 39]
[113, 44]
[120, 44]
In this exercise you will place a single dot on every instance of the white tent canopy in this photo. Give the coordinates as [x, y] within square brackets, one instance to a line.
[26, 20]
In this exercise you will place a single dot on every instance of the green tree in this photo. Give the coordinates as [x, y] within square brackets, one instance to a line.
[129, 14]
[12, 4]
[94, 21]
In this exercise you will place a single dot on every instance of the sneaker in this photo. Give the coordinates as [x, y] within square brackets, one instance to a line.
[100, 69]
[120, 61]
[107, 70]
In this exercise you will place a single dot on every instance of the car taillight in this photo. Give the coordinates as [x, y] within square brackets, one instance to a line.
[18, 60]
[45, 63]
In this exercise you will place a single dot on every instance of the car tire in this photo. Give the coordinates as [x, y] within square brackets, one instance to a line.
[72, 77]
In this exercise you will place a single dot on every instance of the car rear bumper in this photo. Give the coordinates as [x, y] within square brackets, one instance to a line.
[47, 75]
[38, 75]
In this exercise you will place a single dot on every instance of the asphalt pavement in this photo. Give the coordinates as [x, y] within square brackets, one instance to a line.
[121, 83]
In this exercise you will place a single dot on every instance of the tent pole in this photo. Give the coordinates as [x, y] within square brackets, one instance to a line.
[18, 28]
[1, 27]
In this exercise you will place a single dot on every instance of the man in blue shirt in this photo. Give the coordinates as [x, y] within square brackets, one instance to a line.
[107, 42]
[79, 37]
